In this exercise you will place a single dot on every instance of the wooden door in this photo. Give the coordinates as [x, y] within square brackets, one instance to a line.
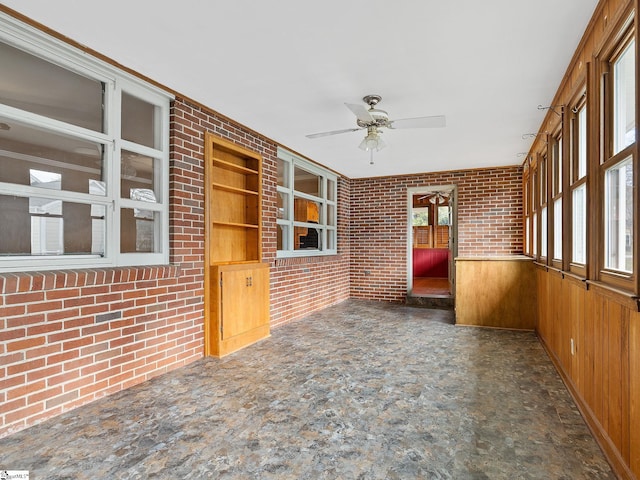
[244, 294]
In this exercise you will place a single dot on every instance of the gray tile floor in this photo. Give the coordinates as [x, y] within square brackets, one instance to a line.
[362, 390]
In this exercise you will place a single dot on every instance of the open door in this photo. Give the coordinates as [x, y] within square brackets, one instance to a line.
[432, 241]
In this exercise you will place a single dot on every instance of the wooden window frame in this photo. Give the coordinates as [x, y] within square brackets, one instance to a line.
[573, 181]
[609, 53]
[556, 190]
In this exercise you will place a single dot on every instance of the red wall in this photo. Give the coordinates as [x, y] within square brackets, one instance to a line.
[431, 262]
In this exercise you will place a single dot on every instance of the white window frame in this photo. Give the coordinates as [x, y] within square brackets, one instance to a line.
[37, 43]
[326, 229]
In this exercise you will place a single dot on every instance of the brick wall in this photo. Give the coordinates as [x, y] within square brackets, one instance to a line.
[68, 338]
[489, 223]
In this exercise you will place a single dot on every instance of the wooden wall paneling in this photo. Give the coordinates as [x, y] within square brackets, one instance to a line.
[612, 373]
[634, 392]
[585, 344]
[508, 301]
[543, 323]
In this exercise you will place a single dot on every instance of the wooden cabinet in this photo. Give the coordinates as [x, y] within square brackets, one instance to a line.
[239, 306]
[237, 283]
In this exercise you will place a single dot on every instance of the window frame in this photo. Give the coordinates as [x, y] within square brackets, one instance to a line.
[609, 159]
[39, 44]
[326, 229]
[556, 191]
[575, 181]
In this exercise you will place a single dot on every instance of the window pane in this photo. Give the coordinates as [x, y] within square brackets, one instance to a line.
[624, 99]
[420, 216]
[527, 236]
[139, 230]
[283, 237]
[579, 236]
[48, 226]
[331, 240]
[543, 232]
[557, 229]
[25, 150]
[308, 238]
[137, 173]
[331, 215]
[331, 190]
[306, 182]
[582, 142]
[306, 211]
[35, 85]
[283, 173]
[139, 121]
[283, 206]
[443, 216]
[534, 234]
[618, 213]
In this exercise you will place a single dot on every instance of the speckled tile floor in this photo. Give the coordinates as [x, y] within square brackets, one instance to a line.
[361, 390]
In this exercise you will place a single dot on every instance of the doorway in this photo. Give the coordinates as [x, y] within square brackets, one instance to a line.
[432, 244]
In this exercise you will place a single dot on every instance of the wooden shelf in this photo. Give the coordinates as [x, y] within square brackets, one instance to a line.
[233, 167]
[238, 225]
[233, 175]
[228, 188]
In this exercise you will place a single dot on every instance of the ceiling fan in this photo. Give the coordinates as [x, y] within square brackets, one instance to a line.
[373, 119]
[437, 198]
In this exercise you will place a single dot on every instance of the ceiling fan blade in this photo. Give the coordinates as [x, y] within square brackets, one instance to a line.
[361, 112]
[419, 122]
[334, 132]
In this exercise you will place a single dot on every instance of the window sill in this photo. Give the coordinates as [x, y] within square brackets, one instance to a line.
[626, 298]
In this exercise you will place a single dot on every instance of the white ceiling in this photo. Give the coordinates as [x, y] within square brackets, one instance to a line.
[285, 68]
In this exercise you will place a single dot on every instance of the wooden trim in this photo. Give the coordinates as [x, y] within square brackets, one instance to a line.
[625, 298]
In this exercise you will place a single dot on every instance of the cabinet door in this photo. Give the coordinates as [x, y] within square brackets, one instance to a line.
[244, 297]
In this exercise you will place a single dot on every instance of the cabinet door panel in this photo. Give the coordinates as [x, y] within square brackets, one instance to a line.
[244, 295]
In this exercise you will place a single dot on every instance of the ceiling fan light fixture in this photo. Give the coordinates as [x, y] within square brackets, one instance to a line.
[373, 141]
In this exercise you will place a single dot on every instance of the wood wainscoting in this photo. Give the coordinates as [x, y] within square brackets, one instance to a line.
[592, 335]
[496, 292]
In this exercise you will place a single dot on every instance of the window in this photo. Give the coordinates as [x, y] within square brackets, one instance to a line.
[556, 199]
[542, 175]
[307, 208]
[83, 160]
[578, 186]
[618, 162]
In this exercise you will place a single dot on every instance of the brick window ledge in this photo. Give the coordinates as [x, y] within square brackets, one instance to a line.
[11, 283]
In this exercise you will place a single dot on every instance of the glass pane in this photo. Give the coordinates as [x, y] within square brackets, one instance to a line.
[283, 173]
[308, 238]
[139, 231]
[27, 153]
[306, 211]
[527, 236]
[557, 229]
[283, 206]
[534, 233]
[624, 99]
[331, 240]
[420, 216]
[47, 226]
[331, 215]
[307, 182]
[582, 143]
[543, 232]
[443, 216]
[139, 121]
[35, 85]
[579, 234]
[283, 237]
[331, 190]
[137, 173]
[618, 213]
